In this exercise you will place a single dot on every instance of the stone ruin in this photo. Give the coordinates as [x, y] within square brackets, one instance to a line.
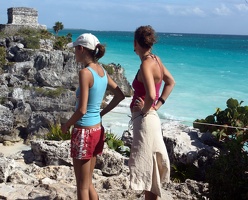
[19, 17]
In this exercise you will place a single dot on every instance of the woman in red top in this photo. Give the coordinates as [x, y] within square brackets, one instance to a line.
[149, 162]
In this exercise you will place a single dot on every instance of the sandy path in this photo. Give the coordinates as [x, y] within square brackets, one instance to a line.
[9, 150]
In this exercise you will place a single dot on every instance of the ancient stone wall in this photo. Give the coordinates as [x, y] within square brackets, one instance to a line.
[19, 17]
[22, 16]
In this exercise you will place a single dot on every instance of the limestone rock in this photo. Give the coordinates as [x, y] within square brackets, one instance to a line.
[51, 152]
[23, 178]
[6, 121]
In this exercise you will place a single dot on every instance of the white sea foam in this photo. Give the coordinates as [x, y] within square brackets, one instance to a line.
[117, 120]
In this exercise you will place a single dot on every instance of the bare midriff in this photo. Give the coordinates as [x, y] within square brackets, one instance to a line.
[94, 126]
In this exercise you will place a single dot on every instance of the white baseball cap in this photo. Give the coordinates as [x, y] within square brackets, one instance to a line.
[86, 40]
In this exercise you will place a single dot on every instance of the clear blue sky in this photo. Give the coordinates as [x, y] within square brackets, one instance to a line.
[176, 16]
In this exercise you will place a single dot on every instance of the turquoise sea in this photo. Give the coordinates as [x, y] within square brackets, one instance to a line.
[208, 69]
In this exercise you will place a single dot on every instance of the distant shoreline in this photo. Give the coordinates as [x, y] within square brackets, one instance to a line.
[170, 33]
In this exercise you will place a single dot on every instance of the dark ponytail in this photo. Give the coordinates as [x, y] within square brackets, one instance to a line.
[99, 51]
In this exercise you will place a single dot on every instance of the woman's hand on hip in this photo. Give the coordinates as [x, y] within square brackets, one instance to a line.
[139, 103]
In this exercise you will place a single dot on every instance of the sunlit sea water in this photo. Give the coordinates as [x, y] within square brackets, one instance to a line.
[208, 69]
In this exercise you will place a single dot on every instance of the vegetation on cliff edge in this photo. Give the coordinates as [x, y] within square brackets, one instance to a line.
[228, 175]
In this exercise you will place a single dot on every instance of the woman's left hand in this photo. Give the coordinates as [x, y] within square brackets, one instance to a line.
[64, 128]
[139, 103]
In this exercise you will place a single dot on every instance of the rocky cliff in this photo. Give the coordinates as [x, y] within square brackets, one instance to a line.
[45, 171]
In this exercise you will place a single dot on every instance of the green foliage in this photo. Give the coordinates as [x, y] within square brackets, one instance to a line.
[56, 134]
[3, 34]
[3, 100]
[52, 93]
[225, 122]
[228, 177]
[39, 33]
[61, 42]
[113, 141]
[58, 26]
[32, 37]
[31, 42]
[177, 175]
[2, 58]
[180, 172]
[45, 34]
[27, 32]
[116, 144]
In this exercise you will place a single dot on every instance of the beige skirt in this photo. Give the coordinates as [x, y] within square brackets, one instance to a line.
[149, 162]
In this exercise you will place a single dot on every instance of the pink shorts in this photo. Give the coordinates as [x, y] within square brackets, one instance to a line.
[87, 142]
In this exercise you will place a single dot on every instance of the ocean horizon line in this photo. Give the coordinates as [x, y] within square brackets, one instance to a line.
[159, 32]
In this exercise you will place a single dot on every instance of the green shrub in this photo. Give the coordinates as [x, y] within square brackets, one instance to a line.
[32, 37]
[113, 141]
[56, 134]
[31, 42]
[52, 93]
[180, 172]
[2, 57]
[61, 42]
[55, 93]
[3, 100]
[26, 31]
[39, 33]
[227, 176]
[233, 122]
[116, 144]
[45, 34]
[3, 34]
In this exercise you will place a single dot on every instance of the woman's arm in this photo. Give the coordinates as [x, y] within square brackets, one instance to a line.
[85, 79]
[118, 96]
[168, 86]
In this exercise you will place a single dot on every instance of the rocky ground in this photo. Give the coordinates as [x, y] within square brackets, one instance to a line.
[43, 170]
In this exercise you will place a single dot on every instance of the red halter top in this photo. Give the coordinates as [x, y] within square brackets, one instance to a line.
[139, 88]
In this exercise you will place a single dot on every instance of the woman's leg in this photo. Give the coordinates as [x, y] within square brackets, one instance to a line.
[92, 191]
[83, 171]
[83, 178]
[150, 196]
